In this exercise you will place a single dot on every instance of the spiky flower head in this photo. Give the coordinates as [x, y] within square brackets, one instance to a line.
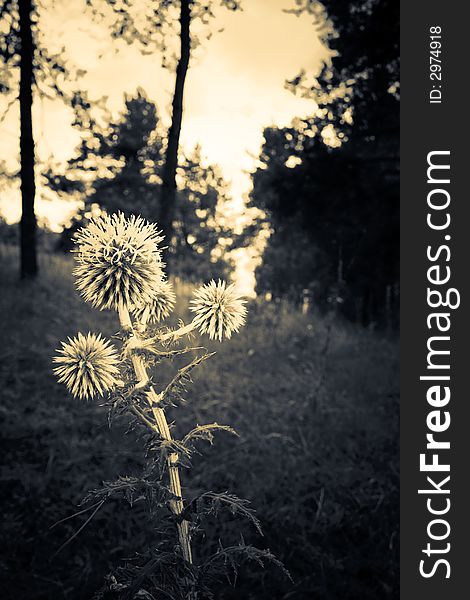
[118, 261]
[219, 309]
[159, 307]
[87, 366]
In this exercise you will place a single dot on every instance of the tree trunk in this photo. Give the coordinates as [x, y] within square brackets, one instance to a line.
[168, 189]
[28, 262]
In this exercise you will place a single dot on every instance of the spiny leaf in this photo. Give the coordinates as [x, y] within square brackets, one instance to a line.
[131, 489]
[210, 503]
[206, 433]
[184, 375]
[234, 556]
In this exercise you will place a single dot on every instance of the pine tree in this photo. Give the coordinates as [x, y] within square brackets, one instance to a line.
[118, 167]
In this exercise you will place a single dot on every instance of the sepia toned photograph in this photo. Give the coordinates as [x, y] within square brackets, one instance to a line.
[199, 290]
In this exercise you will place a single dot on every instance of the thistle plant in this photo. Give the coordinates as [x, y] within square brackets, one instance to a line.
[119, 267]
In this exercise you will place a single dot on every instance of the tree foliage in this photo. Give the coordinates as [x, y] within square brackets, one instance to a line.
[329, 184]
[118, 167]
[153, 25]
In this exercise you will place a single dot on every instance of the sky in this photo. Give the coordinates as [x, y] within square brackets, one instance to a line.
[234, 88]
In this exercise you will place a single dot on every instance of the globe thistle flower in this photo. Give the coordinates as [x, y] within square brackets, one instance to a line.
[87, 366]
[219, 310]
[159, 307]
[118, 261]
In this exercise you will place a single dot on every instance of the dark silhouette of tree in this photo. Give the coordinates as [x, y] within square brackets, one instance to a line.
[156, 33]
[329, 184]
[21, 51]
[29, 265]
[168, 189]
[117, 163]
[17, 50]
[118, 167]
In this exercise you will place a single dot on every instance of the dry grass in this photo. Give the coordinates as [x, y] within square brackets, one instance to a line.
[315, 403]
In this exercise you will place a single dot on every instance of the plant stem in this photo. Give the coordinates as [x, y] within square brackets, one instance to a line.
[174, 335]
[176, 505]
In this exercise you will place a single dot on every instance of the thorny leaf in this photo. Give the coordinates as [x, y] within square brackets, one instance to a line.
[159, 573]
[211, 503]
[178, 384]
[233, 557]
[131, 489]
[148, 346]
[206, 433]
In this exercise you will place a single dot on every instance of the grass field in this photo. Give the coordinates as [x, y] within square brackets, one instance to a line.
[315, 403]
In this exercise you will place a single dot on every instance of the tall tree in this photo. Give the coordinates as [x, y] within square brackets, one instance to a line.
[168, 189]
[329, 183]
[28, 67]
[17, 51]
[156, 32]
[29, 266]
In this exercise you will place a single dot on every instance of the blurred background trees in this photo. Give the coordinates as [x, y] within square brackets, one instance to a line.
[119, 166]
[18, 52]
[329, 185]
[148, 23]
[325, 200]
[151, 24]
[325, 187]
[29, 68]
